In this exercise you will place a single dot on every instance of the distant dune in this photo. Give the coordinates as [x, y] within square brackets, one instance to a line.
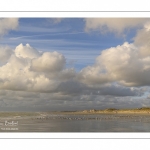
[143, 110]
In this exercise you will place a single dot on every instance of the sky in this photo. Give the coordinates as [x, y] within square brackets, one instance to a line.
[56, 64]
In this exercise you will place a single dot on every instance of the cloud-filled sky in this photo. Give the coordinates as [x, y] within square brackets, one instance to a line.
[74, 63]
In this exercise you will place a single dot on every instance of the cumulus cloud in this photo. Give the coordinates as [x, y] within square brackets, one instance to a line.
[120, 64]
[8, 24]
[127, 64]
[49, 61]
[26, 51]
[141, 40]
[117, 25]
[27, 70]
[5, 53]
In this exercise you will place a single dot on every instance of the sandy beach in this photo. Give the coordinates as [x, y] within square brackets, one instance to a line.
[139, 111]
[79, 121]
[109, 111]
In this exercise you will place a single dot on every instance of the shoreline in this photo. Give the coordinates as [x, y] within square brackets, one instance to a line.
[104, 112]
[138, 111]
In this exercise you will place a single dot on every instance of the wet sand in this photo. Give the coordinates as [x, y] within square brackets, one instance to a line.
[74, 122]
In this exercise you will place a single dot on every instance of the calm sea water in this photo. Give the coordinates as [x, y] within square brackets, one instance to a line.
[77, 123]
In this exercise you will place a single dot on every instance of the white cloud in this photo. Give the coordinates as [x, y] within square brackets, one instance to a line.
[26, 51]
[47, 73]
[28, 70]
[141, 40]
[127, 64]
[48, 62]
[8, 24]
[117, 25]
[5, 53]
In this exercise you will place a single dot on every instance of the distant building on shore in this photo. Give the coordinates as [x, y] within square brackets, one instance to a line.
[92, 110]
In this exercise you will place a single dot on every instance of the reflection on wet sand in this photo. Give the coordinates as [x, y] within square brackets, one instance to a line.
[77, 123]
[95, 117]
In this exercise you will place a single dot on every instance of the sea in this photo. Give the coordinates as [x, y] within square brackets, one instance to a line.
[76, 123]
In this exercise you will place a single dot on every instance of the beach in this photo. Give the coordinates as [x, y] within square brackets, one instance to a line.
[75, 121]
